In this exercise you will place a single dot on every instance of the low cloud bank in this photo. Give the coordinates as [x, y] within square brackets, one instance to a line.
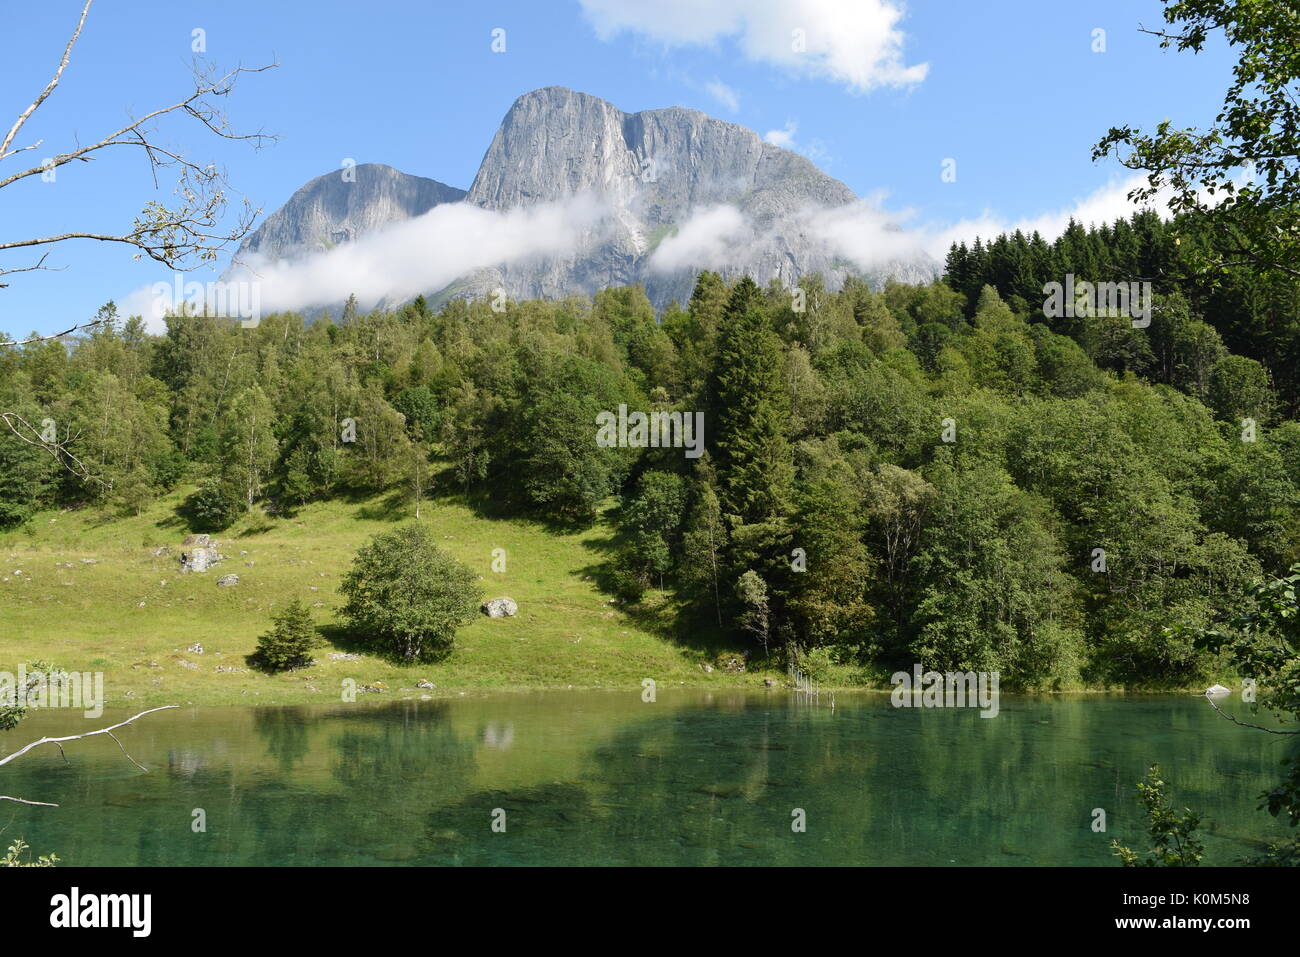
[454, 241]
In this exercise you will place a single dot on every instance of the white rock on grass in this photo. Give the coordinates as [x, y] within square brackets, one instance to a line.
[500, 608]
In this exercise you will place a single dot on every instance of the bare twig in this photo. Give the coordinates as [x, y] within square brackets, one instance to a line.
[89, 734]
[6, 797]
[49, 88]
[182, 235]
[40, 264]
[77, 737]
[54, 335]
[1256, 727]
[58, 449]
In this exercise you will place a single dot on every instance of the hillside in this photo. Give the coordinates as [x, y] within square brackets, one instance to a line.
[92, 595]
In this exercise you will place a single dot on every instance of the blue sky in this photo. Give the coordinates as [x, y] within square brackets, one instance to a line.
[1010, 89]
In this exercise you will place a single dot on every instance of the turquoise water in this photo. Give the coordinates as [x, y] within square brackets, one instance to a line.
[604, 778]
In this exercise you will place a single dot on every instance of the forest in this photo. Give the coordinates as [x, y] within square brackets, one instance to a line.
[933, 474]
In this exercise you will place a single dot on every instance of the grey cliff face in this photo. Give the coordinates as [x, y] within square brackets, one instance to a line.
[648, 173]
[653, 169]
[330, 210]
[555, 143]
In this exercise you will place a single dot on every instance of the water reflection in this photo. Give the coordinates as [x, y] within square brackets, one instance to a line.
[603, 778]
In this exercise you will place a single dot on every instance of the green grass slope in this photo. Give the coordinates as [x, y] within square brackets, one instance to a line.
[90, 594]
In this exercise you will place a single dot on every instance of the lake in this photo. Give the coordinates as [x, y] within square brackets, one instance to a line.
[599, 778]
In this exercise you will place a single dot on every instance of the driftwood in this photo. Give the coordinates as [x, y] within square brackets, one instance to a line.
[58, 742]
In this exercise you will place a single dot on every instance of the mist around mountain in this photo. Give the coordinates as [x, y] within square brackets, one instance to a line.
[574, 195]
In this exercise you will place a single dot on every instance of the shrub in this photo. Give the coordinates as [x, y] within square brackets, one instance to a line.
[407, 596]
[815, 663]
[213, 508]
[19, 855]
[290, 641]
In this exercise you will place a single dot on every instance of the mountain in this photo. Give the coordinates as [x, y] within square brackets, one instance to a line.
[332, 209]
[653, 169]
[677, 191]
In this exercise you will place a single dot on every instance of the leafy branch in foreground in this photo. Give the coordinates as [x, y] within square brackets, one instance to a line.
[1262, 642]
[1241, 175]
[19, 855]
[1173, 840]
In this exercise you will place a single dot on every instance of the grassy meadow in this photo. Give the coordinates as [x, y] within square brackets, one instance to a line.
[89, 593]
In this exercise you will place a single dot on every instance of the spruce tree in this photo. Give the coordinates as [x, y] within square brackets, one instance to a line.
[750, 411]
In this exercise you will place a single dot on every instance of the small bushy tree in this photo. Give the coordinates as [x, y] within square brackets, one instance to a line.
[213, 507]
[407, 596]
[290, 641]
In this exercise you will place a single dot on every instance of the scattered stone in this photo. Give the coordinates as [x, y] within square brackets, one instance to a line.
[343, 656]
[708, 669]
[734, 664]
[195, 648]
[500, 608]
[161, 550]
[377, 688]
[86, 561]
[770, 682]
[425, 683]
[188, 664]
[228, 581]
[248, 564]
[227, 670]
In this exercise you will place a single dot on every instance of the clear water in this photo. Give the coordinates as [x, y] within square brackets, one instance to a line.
[603, 778]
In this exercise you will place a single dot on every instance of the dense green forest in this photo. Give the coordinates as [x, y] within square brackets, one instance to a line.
[932, 473]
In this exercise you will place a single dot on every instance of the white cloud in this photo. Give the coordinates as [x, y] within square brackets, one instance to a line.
[867, 234]
[453, 241]
[723, 94]
[422, 254]
[709, 238]
[1103, 205]
[854, 42]
[783, 138]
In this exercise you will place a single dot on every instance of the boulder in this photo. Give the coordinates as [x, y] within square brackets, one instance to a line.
[500, 608]
[198, 554]
[1217, 691]
[228, 581]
